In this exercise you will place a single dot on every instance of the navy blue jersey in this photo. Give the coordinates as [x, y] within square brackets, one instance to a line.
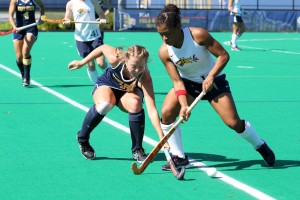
[113, 78]
[25, 13]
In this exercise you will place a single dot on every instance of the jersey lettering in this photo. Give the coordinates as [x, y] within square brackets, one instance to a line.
[25, 8]
[94, 33]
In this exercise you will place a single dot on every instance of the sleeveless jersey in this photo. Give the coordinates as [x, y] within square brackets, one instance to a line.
[193, 61]
[25, 13]
[84, 11]
[113, 77]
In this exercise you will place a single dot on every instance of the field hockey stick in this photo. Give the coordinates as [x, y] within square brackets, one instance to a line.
[156, 149]
[178, 174]
[27, 26]
[101, 21]
[2, 33]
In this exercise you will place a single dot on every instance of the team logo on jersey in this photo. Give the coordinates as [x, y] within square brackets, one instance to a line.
[81, 10]
[124, 86]
[183, 61]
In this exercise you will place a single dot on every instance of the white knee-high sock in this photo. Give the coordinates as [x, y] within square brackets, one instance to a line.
[251, 136]
[234, 38]
[93, 75]
[175, 142]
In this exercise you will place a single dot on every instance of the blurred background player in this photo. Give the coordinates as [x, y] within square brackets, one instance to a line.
[238, 27]
[24, 40]
[87, 35]
[126, 84]
[194, 61]
[107, 9]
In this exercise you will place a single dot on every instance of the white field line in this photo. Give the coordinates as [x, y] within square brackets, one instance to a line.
[265, 49]
[201, 166]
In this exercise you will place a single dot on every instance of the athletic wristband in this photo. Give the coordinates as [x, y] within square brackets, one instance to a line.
[180, 92]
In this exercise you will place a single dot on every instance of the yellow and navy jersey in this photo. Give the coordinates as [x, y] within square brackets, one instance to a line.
[113, 77]
[25, 13]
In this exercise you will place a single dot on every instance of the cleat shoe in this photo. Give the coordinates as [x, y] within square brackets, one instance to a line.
[179, 162]
[87, 150]
[139, 155]
[26, 81]
[235, 48]
[267, 154]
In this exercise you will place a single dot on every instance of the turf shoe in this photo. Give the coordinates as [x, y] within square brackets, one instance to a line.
[139, 155]
[26, 81]
[87, 150]
[179, 162]
[235, 48]
[267, 154]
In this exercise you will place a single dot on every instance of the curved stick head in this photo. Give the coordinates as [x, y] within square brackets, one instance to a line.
[43, 17]
[135, 169]
[180, 175]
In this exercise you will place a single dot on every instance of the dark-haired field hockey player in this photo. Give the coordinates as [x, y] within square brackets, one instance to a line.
[188, 56]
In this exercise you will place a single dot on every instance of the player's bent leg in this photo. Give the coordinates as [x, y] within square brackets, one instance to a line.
[259, 145]
[101, 62]
[92, 74]
[137, 128]
[27, 67]
[225, 107]
[241, 29]
[250, 135]
[92, 119]
[21, 67]
[178, 156]
[234, 38]
[170, 109]
[29, 41]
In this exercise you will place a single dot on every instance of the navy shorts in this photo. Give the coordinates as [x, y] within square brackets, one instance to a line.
[221, 86]
[235, 19]
[21, 34]
[118, 93]
[84, 48]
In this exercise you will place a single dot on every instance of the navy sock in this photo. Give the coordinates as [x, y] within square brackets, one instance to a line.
[27, 69]
[91, 120]
[21, 67]
[137, 128]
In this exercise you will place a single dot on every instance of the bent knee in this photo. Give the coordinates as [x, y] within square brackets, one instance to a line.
[135, 104]
[236, 125]
[168, 116]
[103, 107]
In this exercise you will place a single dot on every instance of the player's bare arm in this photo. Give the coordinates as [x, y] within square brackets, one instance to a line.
[202, 37]
[11, 12]
[176, 79]
[68, 13]
[108, 51]
[230, 2]
[147, 86]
